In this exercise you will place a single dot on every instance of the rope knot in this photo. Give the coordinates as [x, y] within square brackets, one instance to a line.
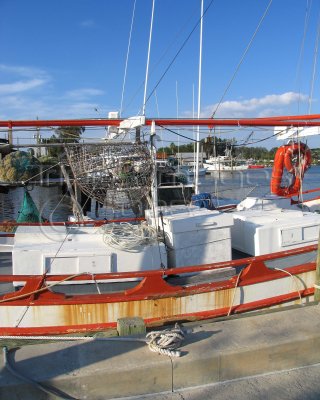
[166, 342]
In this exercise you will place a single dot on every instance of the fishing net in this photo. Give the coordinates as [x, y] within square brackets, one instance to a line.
[28, 211]
[18, 166]
[117, 175]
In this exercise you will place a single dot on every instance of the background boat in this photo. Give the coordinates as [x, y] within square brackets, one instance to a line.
[225, 163]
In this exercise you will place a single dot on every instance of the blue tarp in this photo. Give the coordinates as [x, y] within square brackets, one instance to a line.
[203, 200]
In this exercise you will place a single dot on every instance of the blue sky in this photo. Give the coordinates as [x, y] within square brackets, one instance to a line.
[66, 58]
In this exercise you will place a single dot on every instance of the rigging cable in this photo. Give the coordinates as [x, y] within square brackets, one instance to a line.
[310, 102]
[176, 133]
[241, 60]
[314, 65]
[298, 74]
[235, 145]
[40, 173]
[261, 140]
[179, 51]
[187, 23]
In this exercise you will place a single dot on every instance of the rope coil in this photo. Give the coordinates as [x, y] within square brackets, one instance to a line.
[126, 236]
[163, 342]
[166, 342]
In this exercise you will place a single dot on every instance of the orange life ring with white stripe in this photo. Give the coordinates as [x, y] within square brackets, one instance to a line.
[283, 159]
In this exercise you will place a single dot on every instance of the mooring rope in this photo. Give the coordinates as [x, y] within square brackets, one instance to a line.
[45, 389]
[166, 342]
[162, 342]
[295, 280]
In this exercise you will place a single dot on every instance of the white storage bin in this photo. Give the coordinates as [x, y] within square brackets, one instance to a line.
[263, 232]
[198, 237]
[52, 251]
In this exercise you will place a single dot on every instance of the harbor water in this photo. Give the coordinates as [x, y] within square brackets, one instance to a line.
[56, 206]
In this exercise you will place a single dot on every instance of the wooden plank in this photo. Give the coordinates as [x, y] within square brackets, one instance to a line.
[131, 326]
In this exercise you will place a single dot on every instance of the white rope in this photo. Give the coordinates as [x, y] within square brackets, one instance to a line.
[55, 338]
[165, 342]
[234, 293]
[40, 173]
[44, 388]
[126, 236]
[294, 278]
[60, 201]
[72, 338]
[316, 286]
[95, 281]
[162, 342]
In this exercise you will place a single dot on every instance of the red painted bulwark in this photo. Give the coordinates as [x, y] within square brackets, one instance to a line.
[154, 299]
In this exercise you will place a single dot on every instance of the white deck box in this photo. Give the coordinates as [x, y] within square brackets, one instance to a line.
[263, 232]
[50, 250]
[198, 237]
[266, 203]
[153, 216]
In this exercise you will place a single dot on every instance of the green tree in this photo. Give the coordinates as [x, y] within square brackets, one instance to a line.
[69, 134]
[173, 148]
[63, 134]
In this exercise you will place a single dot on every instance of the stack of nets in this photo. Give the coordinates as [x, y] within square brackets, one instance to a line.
[18, 166]
[117, 175]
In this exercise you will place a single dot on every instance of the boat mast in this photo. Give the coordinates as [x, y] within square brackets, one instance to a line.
[148, 61]
[154, 188]
[199, 104]
[127, 59]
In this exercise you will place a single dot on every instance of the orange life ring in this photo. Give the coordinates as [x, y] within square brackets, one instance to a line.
[283, 159]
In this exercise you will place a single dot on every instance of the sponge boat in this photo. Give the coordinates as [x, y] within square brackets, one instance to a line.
[181, 263]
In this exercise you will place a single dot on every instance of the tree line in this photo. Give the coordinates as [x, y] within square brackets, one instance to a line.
[210, 146]
[67, 134]
[219, 147]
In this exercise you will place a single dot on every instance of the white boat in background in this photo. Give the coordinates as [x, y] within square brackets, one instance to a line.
[190, 170]
[225, 163]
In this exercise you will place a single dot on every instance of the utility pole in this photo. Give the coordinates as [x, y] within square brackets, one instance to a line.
[38, 151]
[138, 134]
[10, 137]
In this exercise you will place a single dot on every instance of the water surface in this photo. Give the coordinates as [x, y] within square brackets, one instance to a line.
[56, 206]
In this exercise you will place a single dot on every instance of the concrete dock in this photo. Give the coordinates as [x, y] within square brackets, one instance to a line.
[214, 352]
